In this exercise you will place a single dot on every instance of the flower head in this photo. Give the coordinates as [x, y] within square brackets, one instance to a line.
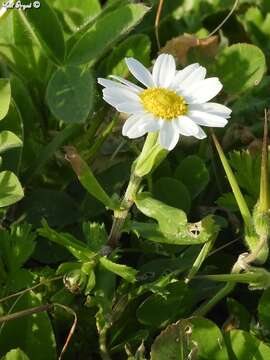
[171, 102]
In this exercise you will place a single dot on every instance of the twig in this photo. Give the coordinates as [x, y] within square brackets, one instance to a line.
[22, 292]
[160, 6]
[9, 311]
[224, 21]
[72, 329]
[26, 312]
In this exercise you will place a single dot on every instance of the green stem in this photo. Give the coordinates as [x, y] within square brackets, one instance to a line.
[241, 202]
[208, 305]
[126, 204]
[131, 191]
[228, 288]
[264, 191]
[207, 247]
[102, 344]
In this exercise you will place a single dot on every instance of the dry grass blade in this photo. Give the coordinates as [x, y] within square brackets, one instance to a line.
[72, 329]
[159, 10]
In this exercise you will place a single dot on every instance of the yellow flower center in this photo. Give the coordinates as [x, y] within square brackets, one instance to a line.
[163, 103]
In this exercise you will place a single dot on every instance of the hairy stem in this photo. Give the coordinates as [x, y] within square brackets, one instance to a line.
[126, 204]
[102, 344]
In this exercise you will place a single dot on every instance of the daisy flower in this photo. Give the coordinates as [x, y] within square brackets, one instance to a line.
[169, 101]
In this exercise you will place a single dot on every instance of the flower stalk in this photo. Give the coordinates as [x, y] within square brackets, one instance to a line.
[120, 215]
[150, 157]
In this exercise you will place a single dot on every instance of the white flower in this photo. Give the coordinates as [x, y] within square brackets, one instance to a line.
[172, 102]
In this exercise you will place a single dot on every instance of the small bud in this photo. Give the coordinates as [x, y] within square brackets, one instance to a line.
[75, 281]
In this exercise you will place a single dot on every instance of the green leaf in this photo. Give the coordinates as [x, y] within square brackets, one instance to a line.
[88, 23]
[242, 345]
[95, 235]
[8, 140]
[137, 46]
[156, 310]
[54, 207]
[180, 263]
[264, 311]
[170, 219]
[5, 97]
[48, 151]
[172, 192]
[16, 60]
[32, 333]
[13, 122]
[17, 245]
[194, 174]
[257, 26]
[87, 9]
[247, 171]
[47, 28]
[172, 227]
[239, 314]
[11, 189]
[77, 248]
[15, 354]
[126, 272]
[240, 67]
[87, 178]
[105, 32]
[173, 343]
[70, 94]
[209, 340]
[228, 201]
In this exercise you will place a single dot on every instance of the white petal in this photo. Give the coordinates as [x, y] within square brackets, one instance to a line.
[204, 91]
[206, 119]
[212, 108]
[111, 100]
[130, 107]
[168, 135]
[186, 126]
[121, 95]
[134, 87]
[183, 74]
[110, 84]
[138, 125]
[164, 70]
[201, 134]
[193, 79]
[140, 72]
